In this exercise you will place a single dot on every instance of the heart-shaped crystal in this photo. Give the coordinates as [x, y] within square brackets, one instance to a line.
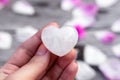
[105, 3]
[59, 41]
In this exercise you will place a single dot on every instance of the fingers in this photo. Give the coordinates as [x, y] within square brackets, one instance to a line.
[70, 72]
[24, 53]
[59, 66]
[27, 50]
[53, 59]
[35, 67]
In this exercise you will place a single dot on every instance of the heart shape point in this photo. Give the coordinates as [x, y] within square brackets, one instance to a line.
[59, 41]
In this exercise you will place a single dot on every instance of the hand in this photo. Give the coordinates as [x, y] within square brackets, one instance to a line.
[32, 61]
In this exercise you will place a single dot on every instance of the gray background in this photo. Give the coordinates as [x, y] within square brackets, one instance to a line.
[49, 11]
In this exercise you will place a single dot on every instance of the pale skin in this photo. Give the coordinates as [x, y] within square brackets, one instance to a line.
[32, 61]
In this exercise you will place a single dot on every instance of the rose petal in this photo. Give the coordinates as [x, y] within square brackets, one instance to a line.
[80, 30]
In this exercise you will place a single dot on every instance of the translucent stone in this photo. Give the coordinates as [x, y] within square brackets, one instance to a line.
[25, 33]
[85, 72]
[23, 7]
[5, 40]
[93, 55]
[116, 26]
[59, 41]
[83, 15]
[68, 5]
[89, 10]
[111, 69]
[116, 50]
[105, 3]
[82, 19]
[84, 22]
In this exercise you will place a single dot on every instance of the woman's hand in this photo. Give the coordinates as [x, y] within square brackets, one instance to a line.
[32, 61]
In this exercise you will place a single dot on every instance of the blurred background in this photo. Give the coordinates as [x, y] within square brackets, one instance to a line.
[97, 23]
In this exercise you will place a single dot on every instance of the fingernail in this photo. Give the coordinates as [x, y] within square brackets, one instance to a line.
[42, 52]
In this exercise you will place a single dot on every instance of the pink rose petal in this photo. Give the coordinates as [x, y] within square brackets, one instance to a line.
[80, 30]
[108, 38]
[4, 2]
[76, 2]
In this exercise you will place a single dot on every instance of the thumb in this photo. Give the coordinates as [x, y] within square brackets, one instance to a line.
[35, 67]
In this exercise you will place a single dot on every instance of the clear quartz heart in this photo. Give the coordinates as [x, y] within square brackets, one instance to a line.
[59, 41]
